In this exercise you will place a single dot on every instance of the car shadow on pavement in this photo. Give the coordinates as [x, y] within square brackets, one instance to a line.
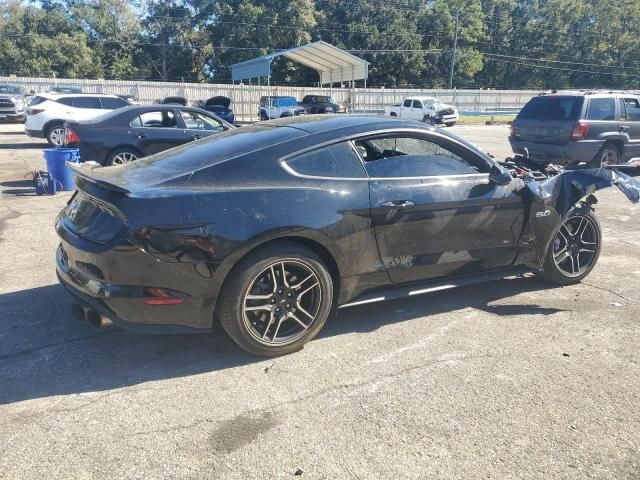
[21, 146]
[44, 351]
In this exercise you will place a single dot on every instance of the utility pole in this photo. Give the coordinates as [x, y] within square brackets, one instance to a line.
[455, 47]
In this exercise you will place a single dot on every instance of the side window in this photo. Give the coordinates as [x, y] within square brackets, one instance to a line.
[68, 101]
[109, 103]
[407, 156]
[602, 109]
[86, 102]
[198, 121]
[337, 160]
[158, 119]
[417, 104]
[407, 103]
[632, 107]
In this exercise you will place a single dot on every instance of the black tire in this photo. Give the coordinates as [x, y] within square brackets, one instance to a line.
[119, 156]
[393, 114]
[552, 271]
[248, 329]
[55, 135]
[263, 115]
[450, 124]
[609, 154]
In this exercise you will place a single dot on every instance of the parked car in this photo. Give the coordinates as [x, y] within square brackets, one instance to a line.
[65, 89]
[130, 99]
[570, 127]
[48, 112]
[173, 100]
[219, 106]
[279, 106]
[130, 133]
[424, 109]
[321, 104]
[13, 102]
[267, 228]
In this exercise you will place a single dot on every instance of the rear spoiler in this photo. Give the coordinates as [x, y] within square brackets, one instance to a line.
[87, 172]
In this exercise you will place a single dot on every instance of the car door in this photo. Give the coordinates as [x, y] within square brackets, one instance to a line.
[602, 117]
[629, 107]
[416, 110]
[199, 125]
[435, 210]
[405, 109]
[157, 130]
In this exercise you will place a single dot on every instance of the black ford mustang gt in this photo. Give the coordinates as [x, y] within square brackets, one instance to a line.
[126, 134]
[268, 228]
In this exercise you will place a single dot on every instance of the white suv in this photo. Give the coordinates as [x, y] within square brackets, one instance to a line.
[48, 112]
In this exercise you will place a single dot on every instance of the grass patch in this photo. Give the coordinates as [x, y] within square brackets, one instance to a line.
[483, 119]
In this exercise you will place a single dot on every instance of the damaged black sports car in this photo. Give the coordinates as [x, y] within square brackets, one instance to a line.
[269, 228]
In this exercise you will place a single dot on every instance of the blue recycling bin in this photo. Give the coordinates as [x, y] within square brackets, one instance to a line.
[56, 158]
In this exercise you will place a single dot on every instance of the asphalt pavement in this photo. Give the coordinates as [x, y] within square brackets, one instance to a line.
[511, 379]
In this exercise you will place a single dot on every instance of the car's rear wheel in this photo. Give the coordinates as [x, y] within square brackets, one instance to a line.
[450, 124]
[122, 156]
[55, 135]
[575, 248]
[394, 114]
[276, 299]
[609, 154]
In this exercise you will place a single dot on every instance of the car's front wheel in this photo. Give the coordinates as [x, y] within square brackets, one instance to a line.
[575, 248]
[276, 299]
[450, 124]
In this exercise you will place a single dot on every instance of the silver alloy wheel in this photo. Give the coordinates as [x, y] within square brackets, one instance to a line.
[282, 302]
[56, 136]
[123, 157]
[575, 246]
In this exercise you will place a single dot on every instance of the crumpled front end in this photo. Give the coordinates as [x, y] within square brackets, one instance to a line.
[551, 199]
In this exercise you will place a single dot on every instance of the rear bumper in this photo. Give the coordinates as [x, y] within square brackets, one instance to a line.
[13, 116]
[566, 154]
[34, 133]
[124, 304]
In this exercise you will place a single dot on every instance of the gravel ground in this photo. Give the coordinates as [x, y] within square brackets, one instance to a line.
[511, 379]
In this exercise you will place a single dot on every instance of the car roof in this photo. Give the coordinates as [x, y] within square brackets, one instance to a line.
[56, 96]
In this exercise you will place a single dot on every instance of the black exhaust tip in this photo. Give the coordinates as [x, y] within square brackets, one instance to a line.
[93, 317]
[77, 311]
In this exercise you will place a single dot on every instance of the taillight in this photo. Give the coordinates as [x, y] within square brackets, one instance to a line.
[34, 111]
[579, 131]
[70, 137]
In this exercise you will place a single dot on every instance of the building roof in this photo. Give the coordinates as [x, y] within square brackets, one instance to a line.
[332, 64]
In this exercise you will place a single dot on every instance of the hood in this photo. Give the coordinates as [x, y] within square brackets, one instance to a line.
[443, 106]
[219, 100]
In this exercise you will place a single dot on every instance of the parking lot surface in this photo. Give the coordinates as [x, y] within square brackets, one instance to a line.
[511, 379]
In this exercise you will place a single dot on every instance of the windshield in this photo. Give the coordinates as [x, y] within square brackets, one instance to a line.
[11, 89]
[287, 102]
[551, 108]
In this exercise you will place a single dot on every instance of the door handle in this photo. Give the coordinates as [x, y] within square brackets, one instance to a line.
[141, 135]
[398, 204]
[195, 137]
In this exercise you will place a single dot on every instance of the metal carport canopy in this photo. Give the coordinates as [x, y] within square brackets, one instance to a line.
[333, 64]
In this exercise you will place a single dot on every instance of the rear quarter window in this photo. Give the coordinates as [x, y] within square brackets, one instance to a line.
[602, 109]
[552, 108]
[336, 161]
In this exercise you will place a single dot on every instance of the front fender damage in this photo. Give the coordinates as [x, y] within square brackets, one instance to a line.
[552, 199]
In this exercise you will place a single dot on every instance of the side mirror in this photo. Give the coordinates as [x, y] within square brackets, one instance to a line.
[500, 176]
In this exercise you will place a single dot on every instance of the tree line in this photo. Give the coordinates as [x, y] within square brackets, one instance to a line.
[500, 43]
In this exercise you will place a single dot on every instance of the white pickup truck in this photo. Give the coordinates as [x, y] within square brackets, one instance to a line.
[424, 109]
